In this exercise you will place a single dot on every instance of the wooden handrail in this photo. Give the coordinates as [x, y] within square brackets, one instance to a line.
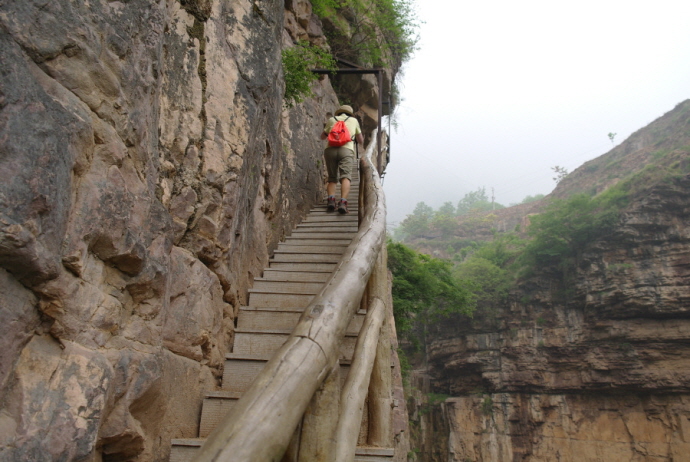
[357, 382]
[262, 422]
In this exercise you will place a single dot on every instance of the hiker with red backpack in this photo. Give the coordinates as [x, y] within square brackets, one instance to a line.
[342, 132]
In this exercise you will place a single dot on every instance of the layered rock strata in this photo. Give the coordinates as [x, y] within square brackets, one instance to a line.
[594, 369]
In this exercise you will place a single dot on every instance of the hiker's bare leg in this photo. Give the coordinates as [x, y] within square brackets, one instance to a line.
[330, 189]
[344, 188]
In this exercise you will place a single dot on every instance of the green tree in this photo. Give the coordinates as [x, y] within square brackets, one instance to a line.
[424, 289]
[562, 232]
[476, 201]
[447, 209]
[561, 172]
[528, 199]
[489, 283]
[378, 32]
[489, 269]
[444, 220]
[418, 222]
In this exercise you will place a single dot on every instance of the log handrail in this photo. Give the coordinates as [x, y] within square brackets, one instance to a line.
[261, 424]
[357, 383]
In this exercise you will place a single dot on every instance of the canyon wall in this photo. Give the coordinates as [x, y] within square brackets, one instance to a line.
[147, 168]
[595, 367]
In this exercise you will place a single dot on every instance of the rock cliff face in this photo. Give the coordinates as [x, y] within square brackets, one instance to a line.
[148, 167]
[597, 369]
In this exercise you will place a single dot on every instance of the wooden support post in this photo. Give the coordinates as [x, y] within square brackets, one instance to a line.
[357, 383]
[320, 421]
[380, 399]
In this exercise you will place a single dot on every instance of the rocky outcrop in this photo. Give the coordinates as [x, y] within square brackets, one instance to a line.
[148, 168]
[595, 367]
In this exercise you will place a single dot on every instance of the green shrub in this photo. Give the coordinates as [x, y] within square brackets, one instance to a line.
[562, 232]
[424, 289]
[298, 61]
[381, 32]
[487, 406]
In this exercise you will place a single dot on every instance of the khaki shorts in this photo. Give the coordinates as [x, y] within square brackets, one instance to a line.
[339, 163]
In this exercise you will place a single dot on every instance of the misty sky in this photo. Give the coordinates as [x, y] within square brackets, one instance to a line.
[501, 91]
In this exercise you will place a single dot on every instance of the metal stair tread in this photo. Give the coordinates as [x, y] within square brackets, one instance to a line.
[276, 332]
[196, 442]
[325, 227]
[301, 257]
[311, 242]
[372, 451]
[301, 266]
[290, 309]
[299, 270]
[267, 357]
[291, 276]
[287, 290]
[360, 451]
[334, 217]
[321, 249]
[317, 242]
[224, 394]
[247, 357]
[331, 218]
[295, 309]
[263, 331]
[320, 234]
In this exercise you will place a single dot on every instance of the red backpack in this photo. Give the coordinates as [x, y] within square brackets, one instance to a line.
[339, 134]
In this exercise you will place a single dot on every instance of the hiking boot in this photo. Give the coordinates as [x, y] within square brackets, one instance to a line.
[342, 206]
[330, 207]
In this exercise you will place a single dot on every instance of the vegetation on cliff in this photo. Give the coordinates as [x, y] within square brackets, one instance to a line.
[553, 241]
[298, 61]
[370, 32]
[424, 290]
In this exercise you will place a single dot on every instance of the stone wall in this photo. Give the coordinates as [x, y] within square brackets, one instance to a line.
[148, 168]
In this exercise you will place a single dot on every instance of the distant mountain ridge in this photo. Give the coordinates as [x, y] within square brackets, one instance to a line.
[661, 143]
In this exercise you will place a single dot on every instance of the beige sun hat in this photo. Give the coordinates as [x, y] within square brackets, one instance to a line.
[345, 109]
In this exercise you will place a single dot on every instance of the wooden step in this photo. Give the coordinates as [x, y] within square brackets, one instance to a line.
[262, 343]
[327, 267]
[294, 276]
[240, 371]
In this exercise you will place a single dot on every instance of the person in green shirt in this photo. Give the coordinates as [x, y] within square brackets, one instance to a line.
[340, 160]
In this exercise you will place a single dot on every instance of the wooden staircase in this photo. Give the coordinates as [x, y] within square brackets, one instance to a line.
[296, 273]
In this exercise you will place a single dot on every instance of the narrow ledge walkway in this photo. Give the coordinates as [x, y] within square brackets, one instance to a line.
[297, 272]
